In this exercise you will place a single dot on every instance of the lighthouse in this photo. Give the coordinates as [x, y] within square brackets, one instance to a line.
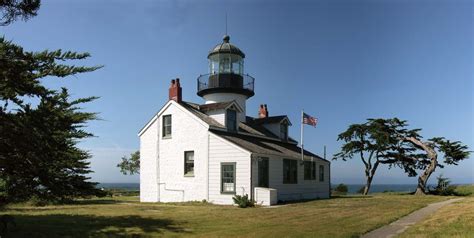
[213, 150]
[226, 80]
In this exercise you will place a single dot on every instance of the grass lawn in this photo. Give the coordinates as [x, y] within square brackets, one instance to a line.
[336, 217]
[456, 220]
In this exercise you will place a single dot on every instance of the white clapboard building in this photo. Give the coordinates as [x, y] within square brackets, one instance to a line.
[214, 151]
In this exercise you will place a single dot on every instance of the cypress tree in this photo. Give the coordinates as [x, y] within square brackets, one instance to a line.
[40, 127]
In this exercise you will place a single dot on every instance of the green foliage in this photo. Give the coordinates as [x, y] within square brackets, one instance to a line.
[454, 151]
[465, 190]
[341, 188]
[375, 142]
[130, 165]
[114, 192]
[444, 187]
[243, 201]
[389, 141]
[361, 190]
[39, 156]
[14, 9]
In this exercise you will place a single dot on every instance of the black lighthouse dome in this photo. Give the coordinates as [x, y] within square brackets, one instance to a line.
[226, 48]
[226, 72]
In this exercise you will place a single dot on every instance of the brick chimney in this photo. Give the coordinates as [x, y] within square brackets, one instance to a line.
[263, 111]
[175, 92]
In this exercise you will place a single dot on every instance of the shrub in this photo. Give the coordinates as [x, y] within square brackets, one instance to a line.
[341, 188]
[361, 190]
[444, 187]
[243, 201]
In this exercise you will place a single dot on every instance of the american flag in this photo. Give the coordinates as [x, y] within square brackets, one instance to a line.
[307, 119]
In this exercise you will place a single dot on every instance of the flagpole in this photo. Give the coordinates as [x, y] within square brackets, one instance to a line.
[302, 126]
[324, 152]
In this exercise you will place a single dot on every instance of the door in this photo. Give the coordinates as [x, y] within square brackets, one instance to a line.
[263, 172]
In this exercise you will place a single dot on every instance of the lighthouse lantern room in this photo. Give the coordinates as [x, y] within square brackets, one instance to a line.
[226, 80]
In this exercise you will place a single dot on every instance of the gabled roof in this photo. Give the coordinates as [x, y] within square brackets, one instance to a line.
[265, 146]
[270, 120]
[194, 108]
[248, 127]
[251, 136]
[219, 106]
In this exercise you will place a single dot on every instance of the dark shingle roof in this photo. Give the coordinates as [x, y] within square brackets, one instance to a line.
[214, 106]
[226, 47]
[268, 120]
[194, 108]
[248, 127]
[266, 146]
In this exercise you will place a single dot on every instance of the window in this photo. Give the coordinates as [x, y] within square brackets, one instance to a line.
[263, 172]
[167, 126]
[284, 131]
[309, 170]
[228, 178]
[231, 120]
[189, 163]
[290, 171]
[321, 173]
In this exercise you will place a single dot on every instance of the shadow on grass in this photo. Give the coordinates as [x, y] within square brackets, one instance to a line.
[351, 196]
[98, 202]
[61, 225]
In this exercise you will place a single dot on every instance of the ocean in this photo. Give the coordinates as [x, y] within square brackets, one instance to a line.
[353, 188]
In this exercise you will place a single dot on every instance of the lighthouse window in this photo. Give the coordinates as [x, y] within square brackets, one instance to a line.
[224, 65]
[231, 120]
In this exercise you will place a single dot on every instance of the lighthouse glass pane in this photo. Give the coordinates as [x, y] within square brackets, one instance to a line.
[224, 64]
[237, 65]
[214, 64]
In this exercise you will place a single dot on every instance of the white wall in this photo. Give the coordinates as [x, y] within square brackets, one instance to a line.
[228, 97]
[188, 134]
[221, 150]
[218, 115]
[148, 164]
[304, 189]
[162, 159]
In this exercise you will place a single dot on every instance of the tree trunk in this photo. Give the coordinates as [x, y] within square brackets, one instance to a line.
[369, 174]
[433, 156]
[367, 185]
[421, 189]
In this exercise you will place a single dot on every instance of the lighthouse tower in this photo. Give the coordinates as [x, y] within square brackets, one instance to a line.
[226, 80]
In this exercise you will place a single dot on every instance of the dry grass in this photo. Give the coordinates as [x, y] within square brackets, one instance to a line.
[456, 220]
[337, 217]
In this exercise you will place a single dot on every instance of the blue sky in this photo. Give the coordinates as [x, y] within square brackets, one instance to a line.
[342, 61]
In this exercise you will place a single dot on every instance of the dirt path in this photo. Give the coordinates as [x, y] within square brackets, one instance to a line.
[403, 223]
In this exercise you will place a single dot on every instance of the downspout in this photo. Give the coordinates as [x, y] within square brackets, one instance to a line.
[329, 173]
[158, 160]
[251, 178]
[207, 178]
